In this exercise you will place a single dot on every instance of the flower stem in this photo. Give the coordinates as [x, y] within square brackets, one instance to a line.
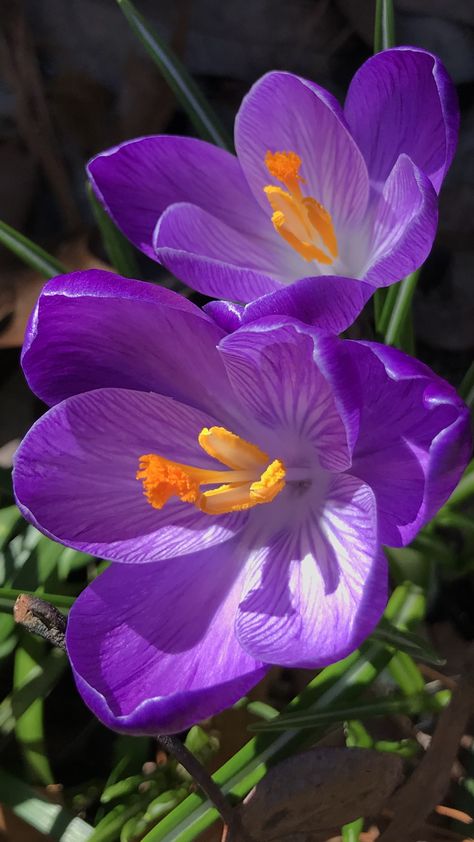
[178, 750]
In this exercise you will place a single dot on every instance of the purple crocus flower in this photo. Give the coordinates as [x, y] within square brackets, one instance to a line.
[242, 485]
[315, 193]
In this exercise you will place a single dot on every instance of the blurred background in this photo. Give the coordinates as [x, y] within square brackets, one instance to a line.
[74, 81]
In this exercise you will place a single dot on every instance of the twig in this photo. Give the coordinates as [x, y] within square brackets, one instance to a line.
[178, 750]
[426, 787]
[42, 618]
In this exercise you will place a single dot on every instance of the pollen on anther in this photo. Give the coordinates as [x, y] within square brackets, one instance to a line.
[163, 479]
[283, 165]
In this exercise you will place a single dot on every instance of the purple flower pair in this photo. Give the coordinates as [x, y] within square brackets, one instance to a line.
[242, 467]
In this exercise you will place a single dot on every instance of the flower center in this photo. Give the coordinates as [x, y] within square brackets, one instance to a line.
[253, 479]
[302, 221]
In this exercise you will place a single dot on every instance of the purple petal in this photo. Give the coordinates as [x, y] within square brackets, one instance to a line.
[405, 220]
[283, 112]
[75, 471]
[226, 314]
[329, 303]
[94, 329]
[317, 589]
[282, 390]
[414, 439]
[138, 180]
[218, 260]
[153, 649]
[402, 101]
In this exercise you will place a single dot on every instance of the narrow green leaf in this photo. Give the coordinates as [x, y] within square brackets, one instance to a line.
[408, 642]
[401, 309]
[464, 490]
[384, 30]
[29, 730]
[351, 832]
[341, 682]
[262, 710]
[405, 748]
[357, 735]
[466, 389]
[410, 705]
[388, 304]
[181, 83]
[31, 254]
[50, 819]
[118, 248]
[40, 680]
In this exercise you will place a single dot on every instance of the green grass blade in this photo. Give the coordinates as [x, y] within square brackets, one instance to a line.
[384, 30]
[341, 682]
[181, 83]
[39, 681]
[118, 248]
[401, 309]
[466, 389]
[29, 728]
[409, 705]
[384, 38]
[405, 641]
[31, 254]
[351, 832]
[49, 819]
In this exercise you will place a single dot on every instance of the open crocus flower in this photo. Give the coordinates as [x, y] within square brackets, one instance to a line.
[242, 485]
[316, 191]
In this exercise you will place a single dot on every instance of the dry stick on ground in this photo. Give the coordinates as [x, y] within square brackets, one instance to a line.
[427, 786]
[42, 618]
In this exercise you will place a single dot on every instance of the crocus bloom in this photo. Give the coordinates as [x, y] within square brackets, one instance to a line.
[241, 484]
[316, 192]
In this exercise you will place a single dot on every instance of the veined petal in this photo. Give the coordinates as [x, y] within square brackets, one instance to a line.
[329, 303]
[283, 112]
[316, 590]
[95, 329]
[282, 391]
[219, 260]
[402, 101]
[137, 180]
[414, 439]
[75, 476]
[153, 649]
[405, 220]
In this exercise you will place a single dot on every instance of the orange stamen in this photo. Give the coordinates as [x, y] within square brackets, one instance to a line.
[244, 486]
[303, 222]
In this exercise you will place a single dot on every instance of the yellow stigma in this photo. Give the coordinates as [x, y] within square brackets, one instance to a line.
[253, 479]
[303, 222]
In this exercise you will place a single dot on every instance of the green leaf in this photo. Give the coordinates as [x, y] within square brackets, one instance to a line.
[29, 729]
[31, 254]
[183, 86]
[401, 310]
[410, 705]
[351, 832]
[119, 250]
[49, 819]
[262, 710]
[384, 30]
[340, 683]
[408, 642]
[466, 389]
[38, 683]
